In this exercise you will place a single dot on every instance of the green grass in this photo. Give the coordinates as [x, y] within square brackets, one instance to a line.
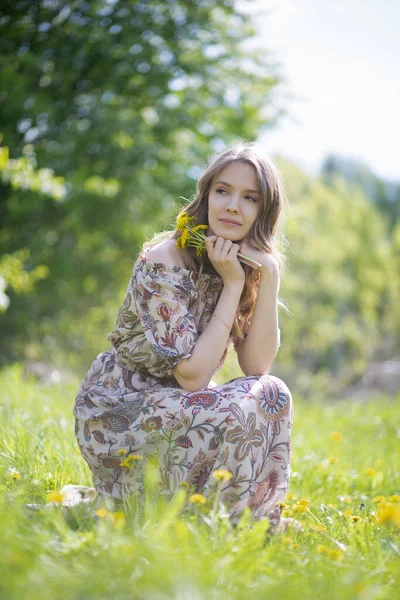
[182, 551]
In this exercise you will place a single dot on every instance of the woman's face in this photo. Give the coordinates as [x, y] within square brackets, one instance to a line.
[234, 201]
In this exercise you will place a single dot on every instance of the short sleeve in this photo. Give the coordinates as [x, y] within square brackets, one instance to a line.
[161, 299]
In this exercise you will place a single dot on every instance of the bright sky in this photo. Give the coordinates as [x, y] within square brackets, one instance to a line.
[341, 62]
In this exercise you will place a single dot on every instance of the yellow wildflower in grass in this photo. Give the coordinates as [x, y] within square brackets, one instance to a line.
[370, 472]
[302, 505]
[118, 518]
[291, 496]
[394, 498]
[321, 549]
[101, 513]
[336, 555]
[15, 474]
[121, 452]
[132, 458]
[286, 513]
[336, 436]
[197, 499]
[222, 475]
[389, 515]
[55, 496]
[332, 459]
[378, 499]
[355, 518]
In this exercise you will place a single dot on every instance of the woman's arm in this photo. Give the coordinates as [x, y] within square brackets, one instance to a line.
[195, 373]
[258, 350]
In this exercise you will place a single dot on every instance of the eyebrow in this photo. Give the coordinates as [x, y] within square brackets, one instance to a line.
[229, 185]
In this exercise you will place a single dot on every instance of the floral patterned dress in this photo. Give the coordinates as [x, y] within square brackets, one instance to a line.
[129, 403]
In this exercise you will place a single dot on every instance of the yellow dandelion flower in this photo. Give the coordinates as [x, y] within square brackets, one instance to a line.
[379, 499]
[287, 540]
[291, 496]
[197, 499]
[336, 436]
[222, 475]
[347, 513]
[182, 221]
[15, 474]
[184, 238]
[304, 502]
[200, 251]
[321, 549]
[185, 484]
[302, 508]
[370, 472]
[200, 228]
[179, 243]
[101, 513]
[394, 498]
[185, 221]
[336, 555]
[287, 513]
[390, 515]
[127, 462]
[332, 459]
[118, 518]
[121, 452]
[55, 496]
[355, 518]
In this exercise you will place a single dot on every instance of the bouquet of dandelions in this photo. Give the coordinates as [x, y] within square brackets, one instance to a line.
[194, 236]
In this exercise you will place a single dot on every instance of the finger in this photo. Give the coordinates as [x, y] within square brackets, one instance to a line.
[211, 238]
[233, 250]
[226, 246]
[219, 244]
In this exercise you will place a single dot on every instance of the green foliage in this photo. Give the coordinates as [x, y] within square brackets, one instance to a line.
[341, 283]
[340, 486]
[125, 101]
[384, 194]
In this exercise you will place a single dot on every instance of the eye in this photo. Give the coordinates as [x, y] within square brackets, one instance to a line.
[220, 190]
[251, 198]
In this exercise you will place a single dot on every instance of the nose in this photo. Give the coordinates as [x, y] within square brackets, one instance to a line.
[233, 203]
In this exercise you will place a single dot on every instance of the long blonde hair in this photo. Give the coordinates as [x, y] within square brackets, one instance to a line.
[262, 235]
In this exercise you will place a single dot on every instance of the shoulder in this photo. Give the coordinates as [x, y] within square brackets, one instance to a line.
[166, 252]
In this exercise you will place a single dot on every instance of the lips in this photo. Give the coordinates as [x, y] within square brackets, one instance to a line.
[230, 221]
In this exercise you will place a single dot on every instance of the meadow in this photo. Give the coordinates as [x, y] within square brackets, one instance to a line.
[345, 489]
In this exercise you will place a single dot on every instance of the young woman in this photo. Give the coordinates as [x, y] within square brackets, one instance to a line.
[152, 393]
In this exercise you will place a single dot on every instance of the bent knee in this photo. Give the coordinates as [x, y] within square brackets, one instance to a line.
[277, 392]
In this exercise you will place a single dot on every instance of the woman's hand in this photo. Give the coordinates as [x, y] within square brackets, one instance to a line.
[266, 259]
[223, 256]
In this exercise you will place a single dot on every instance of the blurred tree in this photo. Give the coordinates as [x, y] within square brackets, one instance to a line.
[125, 100]
[342, 283]
[384, 194]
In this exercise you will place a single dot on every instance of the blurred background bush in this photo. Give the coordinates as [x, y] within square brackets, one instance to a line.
[109, 113]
